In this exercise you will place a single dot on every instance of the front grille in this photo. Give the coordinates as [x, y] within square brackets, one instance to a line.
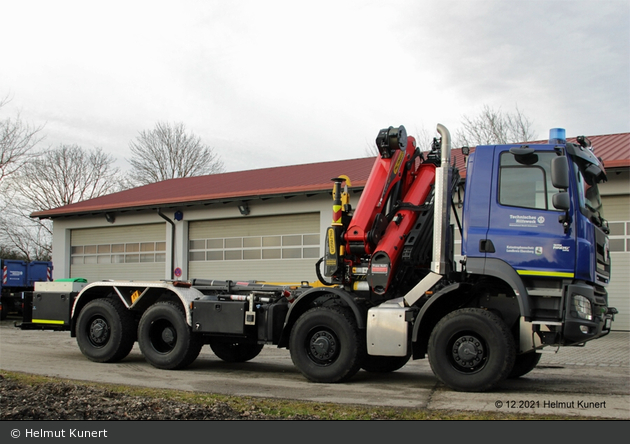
[603, 257]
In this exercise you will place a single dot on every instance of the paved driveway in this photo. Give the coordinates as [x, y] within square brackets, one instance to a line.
[591, 381]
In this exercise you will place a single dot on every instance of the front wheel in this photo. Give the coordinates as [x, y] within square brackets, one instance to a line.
[326, 346]
[105, 330]
[471, 350]
[165, 339]
[524, 364]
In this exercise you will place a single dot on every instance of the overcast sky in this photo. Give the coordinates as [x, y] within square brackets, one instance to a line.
[271, 83]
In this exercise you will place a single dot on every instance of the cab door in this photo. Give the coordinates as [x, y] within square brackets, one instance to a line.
[524, 228]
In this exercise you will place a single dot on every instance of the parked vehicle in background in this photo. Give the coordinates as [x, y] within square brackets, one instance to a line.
[17, 277]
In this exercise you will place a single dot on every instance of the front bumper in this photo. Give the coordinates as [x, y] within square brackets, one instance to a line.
[580, 327]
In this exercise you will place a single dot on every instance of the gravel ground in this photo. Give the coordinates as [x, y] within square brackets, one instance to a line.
[64, 401]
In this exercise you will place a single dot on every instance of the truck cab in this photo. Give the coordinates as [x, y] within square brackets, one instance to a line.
[533, 218]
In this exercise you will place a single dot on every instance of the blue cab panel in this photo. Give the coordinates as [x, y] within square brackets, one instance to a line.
[509, 213]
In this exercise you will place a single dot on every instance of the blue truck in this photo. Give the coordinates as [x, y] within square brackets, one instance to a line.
[531, 275]
[19, 276]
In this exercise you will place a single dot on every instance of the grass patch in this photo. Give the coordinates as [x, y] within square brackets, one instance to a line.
[284, 408]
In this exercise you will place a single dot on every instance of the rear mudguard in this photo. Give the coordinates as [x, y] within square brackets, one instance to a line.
[135, 295]
[308, 300]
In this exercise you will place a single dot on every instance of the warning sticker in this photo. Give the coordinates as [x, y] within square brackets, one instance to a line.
[380, 269]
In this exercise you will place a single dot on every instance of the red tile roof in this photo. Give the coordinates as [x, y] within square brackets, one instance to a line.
[266, 182]
[614, 149]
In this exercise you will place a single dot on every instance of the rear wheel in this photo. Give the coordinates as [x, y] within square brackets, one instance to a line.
[524, 364]
[232, 351]
[326, 346]
[471, 350]
[384, 364]
[105, 330]
[165, 339]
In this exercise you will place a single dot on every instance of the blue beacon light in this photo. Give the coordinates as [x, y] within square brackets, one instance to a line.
[557, 135]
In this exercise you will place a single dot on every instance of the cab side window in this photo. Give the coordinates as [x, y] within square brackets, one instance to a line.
[526, 183]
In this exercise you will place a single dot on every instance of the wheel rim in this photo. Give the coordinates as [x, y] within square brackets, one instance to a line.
[163, 336]
[468, 353]
[322, 346]
[99, 332]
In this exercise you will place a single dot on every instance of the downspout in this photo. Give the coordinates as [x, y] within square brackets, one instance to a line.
[163, 216]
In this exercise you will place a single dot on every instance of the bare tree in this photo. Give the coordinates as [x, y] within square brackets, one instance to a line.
[168, 152]
[62, 176]
[66, 175]
[22, 238]
[492, 126]
[17, 140]
[8, 253]
[17, 143]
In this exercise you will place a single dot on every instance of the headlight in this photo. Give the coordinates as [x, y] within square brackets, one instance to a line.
[583, 307]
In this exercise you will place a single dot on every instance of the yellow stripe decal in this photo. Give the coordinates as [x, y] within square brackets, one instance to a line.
[47, 321]
[545, 273]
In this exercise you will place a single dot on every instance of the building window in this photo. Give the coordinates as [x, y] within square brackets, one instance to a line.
[619, 236]
[293, 246]
[118, 253]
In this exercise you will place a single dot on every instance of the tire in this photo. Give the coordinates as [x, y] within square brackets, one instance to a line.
[326, 346]
[165, 339]
[524, 364]
[232, 351]
[471, 350]
[384, 364]
[105, 330]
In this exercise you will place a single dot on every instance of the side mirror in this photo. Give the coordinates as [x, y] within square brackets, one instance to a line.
[561, 201]
[560, 173]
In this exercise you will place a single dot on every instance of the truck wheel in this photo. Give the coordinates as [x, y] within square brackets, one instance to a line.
[524, 364]
[384, 364]
[471, 350]
[231, 351]
[326, 346]
[105, 330]
[165, 339]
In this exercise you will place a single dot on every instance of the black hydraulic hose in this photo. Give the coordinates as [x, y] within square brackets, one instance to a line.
[459, 225]
[319, 273]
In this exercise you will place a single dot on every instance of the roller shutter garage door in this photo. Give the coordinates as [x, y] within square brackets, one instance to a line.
[618, 289]
[617, 212]
[128, 253]
[270, 249]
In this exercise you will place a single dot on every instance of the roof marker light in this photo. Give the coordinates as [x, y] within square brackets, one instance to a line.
[557, 135]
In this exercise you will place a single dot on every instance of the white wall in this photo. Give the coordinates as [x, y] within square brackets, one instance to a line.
[62, 227]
